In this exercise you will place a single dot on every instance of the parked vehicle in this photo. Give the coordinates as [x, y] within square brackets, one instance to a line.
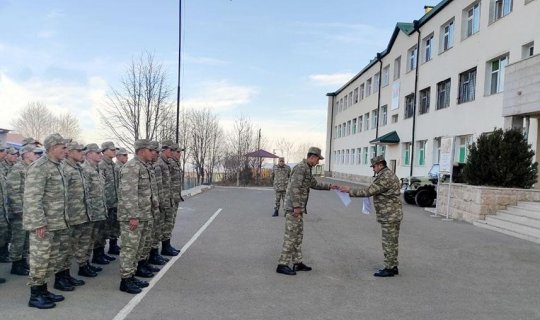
[422, 191]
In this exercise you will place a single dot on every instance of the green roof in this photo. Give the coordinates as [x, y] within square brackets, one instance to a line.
[389, 138]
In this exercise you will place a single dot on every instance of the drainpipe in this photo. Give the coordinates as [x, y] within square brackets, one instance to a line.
[417, 29]
[333, 95]
[379, 57]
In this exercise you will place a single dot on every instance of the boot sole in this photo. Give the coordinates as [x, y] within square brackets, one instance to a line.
[41, 307]
[130, 291]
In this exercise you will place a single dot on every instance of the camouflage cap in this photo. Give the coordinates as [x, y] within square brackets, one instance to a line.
[91, 147]
[53, 140]
[316, 151]
[377, 159]
[154, 145]
[167, 144]
[281, 159]
[33, 141]
[122, 151]
[141, 144]
[27, 148]
[12, 150]
[74, 145]
[2, 148]
[108, 145]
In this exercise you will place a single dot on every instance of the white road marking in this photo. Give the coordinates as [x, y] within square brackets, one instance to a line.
[138, 298]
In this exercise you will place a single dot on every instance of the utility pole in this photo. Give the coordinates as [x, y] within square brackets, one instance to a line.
[179, 68]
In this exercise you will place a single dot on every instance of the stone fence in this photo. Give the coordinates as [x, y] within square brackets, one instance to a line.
[470, 203]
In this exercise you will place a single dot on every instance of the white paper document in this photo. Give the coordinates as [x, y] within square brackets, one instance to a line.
[366, 206]
[344, 197]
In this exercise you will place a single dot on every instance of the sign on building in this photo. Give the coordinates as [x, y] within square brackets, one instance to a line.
[447, 155]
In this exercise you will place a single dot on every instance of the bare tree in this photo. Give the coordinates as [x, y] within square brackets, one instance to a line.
[37, 121]
[138, 108]
[285, 146]
[241, 141]
[301, 151]
[203, 131]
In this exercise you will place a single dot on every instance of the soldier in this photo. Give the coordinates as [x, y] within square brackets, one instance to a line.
[30, 141]
[8, 161]
[44, 215]
[296, 199]
[108, 169]
[4, 232]
[121, 157]
[166, 203]
[81, 227]
[280, 178]
[385, 190]
[136, 202]
[3, 217]
[96, 205]
[15, 191]
[176, 176]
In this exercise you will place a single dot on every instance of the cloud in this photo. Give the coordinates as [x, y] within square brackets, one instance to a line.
[331, 79]
[221, 95]
[204, 60]
[46, 34]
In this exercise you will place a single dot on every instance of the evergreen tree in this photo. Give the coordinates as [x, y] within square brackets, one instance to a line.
[501, 159]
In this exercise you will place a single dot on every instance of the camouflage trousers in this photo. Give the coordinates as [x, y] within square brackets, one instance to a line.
[279, 197]
[133, 242]
[168, 222]
[390, 236]
[44, 255]
[3, 230]
[158, 228]
[144, 252]
[64, 256]
[80, 236]
[292, 241]
[19, 240]
[96, 239]
[113, 227]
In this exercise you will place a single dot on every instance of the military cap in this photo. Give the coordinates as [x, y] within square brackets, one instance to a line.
[281, 159]
[33, 141]
[74, 145]
[27, 148]
[377, 159]
[53, 140]
[141, 144]
[91, 147]
[154, 145]
[108, 145]
[167, 144]
[2, 148]
[122, 151]
[316, 151]
[67, 140]
[12, 150]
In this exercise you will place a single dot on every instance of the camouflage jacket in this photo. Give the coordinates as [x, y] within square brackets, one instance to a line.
[76, 205]
[107, 168]
[45, 196]
[176, 180]
[385, 190]
[15, 188]
[280, 177]
[3, 204]
[5, 167]
[157, 182]
[165, 196]
[299, 184]
[137, 197]
[95, 197]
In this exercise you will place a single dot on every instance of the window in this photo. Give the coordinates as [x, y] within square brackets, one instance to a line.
[385, 76]
[358, 159]
[354, 126]
[472, 22]
[496, 77]
[366, 121]
[348, 127]
[462, 150]
[447, 36]
[355, 95]
[360, 123]
[428, 47]
[338, 156]
[361, 91]
[374, 118]
[397, 68]
[437, 150]
[340, 104]
[421, 150]
[368, 87]
[411, 58]
[409, 106]
[425, 96]
[343, 129]
[353, 157]
[384, 115]
[467, 85]
[443, 94]
[406, 151]
[342, 156]
[381, 150]
[365, 155]
[395, 118]
[347, 156]
[372, 151]
[350, 98]
[346, 105]
[376, 79]
[501, 9]
[527, 50]
[339, 131]
[334, 134]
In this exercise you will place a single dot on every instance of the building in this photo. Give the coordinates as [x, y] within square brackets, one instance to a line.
[461, 70]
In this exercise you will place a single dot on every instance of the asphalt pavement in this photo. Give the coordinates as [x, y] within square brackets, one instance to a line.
[448, 270]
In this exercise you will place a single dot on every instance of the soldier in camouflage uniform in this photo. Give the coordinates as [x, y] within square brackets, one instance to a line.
[121, 158]
[5, 167]
[3, 217]
[96, 205]
[108, 169]
[166, 202]
[4, 232]
[136, 202]
[385, 190]
[15, 192]
[45, 217]
[296, 199]
[280, 179]
[176, 176]
[81, 228]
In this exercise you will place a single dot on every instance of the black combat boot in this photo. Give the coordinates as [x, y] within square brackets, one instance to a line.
[285, 269]
[39, 300]
[167, 249]
[61, 283]
[142, 271]
[150, 267]
[98, 257]
[155, 258]
[113, 247]
[140, 283]
[17, 267]
[51, 296]
[301, 267]
[2, 280]
[93, 268]
[276, 213]
[4, 254]
[85, 271]
[102, 253]
[74, 282]
[127, 285]
[25, 263]
[387, 272]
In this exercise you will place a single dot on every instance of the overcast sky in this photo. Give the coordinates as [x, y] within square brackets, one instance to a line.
[271, 61]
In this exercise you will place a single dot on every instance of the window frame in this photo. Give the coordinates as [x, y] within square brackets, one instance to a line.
[447, 88]
[467, 80]
[409, 106]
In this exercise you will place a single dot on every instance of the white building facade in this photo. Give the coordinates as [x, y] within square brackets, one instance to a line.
[463, 69]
